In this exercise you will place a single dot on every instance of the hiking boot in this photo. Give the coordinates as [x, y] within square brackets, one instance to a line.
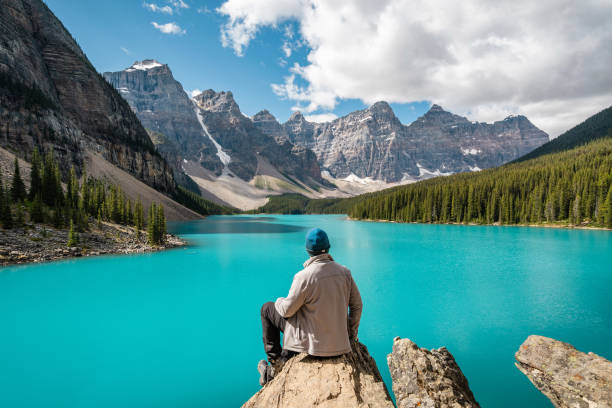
[266, 372]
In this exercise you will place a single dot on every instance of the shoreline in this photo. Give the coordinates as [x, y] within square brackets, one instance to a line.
[33, 244]
[553, 226]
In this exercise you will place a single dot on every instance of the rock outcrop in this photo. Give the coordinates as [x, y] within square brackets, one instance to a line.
[351, 380]
[373, 143]
[52, 97]
[427, 378]
[568, 377]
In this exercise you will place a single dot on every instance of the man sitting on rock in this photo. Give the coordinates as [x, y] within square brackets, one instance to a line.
[313, 317]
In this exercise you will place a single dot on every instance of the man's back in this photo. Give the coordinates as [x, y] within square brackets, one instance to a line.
[316, 308]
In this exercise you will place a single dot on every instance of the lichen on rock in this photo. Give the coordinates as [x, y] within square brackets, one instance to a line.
[568, 377]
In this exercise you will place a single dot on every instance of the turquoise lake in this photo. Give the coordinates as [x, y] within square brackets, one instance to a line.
[181, 328]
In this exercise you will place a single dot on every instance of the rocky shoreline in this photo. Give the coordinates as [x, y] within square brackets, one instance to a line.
[35, 243]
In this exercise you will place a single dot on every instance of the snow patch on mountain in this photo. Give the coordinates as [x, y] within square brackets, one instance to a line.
[470, 151]
[223, 156]
[144, 65]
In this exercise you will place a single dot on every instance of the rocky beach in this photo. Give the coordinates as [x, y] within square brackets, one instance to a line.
[42, 243]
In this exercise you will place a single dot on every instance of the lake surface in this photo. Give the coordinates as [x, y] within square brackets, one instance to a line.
[181, 328]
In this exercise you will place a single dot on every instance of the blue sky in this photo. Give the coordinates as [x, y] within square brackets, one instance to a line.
[115, 33]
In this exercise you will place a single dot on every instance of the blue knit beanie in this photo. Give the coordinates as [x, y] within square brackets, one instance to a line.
[317, 241]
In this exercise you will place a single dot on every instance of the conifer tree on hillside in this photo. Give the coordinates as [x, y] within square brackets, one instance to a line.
[18, 190]
[151, 227]
[608, 209]
[35, 177]
[6, 217]
[73, 238]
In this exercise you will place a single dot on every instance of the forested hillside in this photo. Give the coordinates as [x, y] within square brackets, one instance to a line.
[572, 187]
[596, 127]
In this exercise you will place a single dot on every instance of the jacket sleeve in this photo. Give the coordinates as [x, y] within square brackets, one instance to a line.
[289, 305]
[355, 307]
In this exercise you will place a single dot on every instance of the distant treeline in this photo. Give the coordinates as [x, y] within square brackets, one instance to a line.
[566, 181]
[299, 204]
[198, 204]
[84, 199]
[570, 187]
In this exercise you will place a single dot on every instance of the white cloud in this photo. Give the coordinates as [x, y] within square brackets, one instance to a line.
[169, 28]
[158, 9]
[179, 4]
[246, 16]
[194, 92]
[321, 117]
[549, 60]
[125, 50]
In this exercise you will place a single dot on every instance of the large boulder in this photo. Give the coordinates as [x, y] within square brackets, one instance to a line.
[427, 378]
[568, 377]
[350, 380]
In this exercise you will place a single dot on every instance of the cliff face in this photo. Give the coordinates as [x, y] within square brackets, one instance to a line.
[209, 138]
[243, 140]
[161, 104]
[568, 377]
[373, 143]
[51, 96]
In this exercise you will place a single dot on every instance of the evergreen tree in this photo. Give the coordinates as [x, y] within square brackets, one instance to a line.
[18, 190]
[6, 217]
[36, 210]
[73, 238]
[151, 225]
[20, 217]
[161, 225]
[608, 209]
[35, 178]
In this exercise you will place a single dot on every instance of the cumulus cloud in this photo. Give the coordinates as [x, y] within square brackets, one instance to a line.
[245, 17]
[158, 9]
[321, 117]
[549, 60]
[169, 28]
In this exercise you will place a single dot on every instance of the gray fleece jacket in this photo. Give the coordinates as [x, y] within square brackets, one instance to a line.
[316, 309]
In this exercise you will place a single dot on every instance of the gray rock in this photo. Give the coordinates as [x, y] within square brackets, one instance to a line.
[351, 380]
[568, 377]
[373, 143]
[73, 108]
[427, 378]
[165, 109]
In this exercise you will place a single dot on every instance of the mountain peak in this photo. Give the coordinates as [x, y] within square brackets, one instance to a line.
[144, 65]
[381, 106]
[217, 101]
[264, 116]
[436, 108]
[296, 117]
[436, 115]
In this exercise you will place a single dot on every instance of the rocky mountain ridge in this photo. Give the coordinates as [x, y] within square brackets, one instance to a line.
[207, 137]
[372, 143]
[366, 150]
[53, 98]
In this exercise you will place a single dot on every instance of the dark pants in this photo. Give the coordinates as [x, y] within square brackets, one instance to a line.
[273, 324]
